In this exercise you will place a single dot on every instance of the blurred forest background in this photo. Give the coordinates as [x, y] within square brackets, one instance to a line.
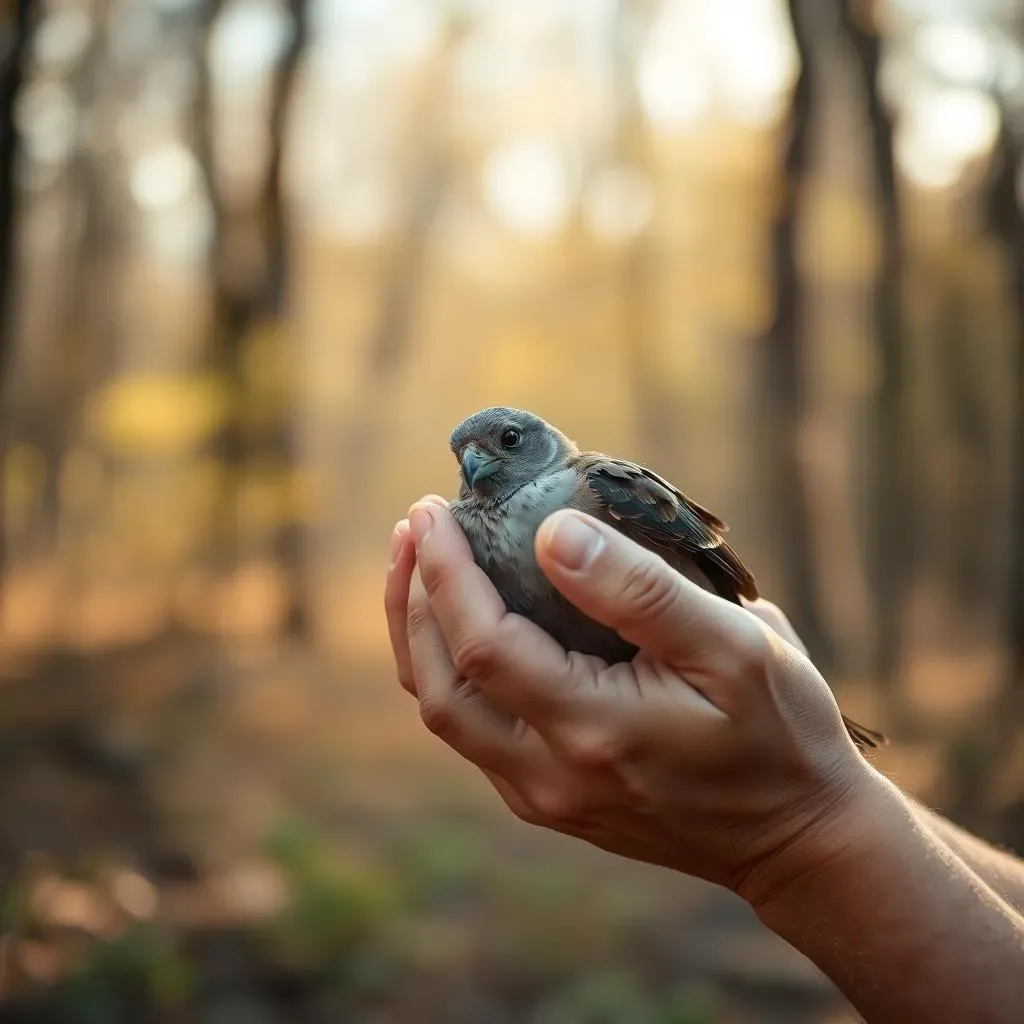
[258, 257]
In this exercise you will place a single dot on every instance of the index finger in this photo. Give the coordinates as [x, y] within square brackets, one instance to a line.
[396, 601]
[396, 595]
[518, 665]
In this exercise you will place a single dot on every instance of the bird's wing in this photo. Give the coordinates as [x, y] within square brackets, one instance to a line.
[649, 510]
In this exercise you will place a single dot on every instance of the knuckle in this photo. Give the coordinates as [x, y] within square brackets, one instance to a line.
[476, 655]
[433, 574]
[649, 590]
[555, 806]
[596, 746]
[438, 717]
[748, 659]
[417, 616]
[639, 787]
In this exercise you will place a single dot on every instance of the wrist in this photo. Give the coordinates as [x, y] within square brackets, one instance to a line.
[833, 848]
[893, 917]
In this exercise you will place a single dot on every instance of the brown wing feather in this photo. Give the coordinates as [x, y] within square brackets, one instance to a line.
[863, 736]
[657, 515]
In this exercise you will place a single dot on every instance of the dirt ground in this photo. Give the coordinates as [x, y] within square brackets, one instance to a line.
[204, 829]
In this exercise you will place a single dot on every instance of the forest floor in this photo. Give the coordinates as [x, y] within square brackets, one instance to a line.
[201, 829]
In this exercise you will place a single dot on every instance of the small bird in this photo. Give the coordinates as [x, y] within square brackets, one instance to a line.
[517, 469]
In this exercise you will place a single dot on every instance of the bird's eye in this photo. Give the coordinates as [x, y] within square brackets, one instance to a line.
[511, 438]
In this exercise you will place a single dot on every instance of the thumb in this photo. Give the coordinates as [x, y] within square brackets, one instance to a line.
[632, 590]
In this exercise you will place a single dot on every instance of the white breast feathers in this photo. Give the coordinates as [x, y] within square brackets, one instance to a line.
[526, 510]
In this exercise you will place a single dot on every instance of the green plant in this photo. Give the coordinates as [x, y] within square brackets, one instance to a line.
[334, 906]
[618, 998]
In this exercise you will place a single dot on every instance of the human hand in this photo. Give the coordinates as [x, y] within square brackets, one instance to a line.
[772, 615]
[718, 751]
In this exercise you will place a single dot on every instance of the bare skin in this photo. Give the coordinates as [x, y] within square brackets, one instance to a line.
[998, 868]
[719, 751]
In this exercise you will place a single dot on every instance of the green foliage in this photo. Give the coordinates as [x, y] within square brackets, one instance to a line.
[333, 906]
[617, 998]
[143, 965]
[88, 998]
[436, 863]
[294, 845]
[689, 1006]
[16, 907]
[369, 971]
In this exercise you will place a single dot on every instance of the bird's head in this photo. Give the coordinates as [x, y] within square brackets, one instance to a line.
[502, 450]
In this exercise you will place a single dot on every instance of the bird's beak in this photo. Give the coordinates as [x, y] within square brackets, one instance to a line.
[477, 465]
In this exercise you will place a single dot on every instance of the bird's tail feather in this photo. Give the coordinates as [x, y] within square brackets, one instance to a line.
[863, 736]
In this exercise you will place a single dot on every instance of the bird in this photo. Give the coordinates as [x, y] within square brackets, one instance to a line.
[517, 469]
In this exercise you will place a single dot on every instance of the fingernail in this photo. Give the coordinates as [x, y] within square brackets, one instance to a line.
[420, 522]
[434, 499]
[574, 542]
[398, 538]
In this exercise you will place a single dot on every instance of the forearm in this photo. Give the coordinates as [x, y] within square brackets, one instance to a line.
[1001, 870]
[901, 925]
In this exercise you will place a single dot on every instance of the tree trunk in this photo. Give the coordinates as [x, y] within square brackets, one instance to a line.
[786, 486]
[1008, 219]
[278, 446]
[1010, 827]
[891, 522]
[239, 306]
[15, 42]
[969, 435]
[984, 754]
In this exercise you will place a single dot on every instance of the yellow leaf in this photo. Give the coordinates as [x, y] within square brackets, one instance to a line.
[268, 361]
[155, 414]
[24, 475]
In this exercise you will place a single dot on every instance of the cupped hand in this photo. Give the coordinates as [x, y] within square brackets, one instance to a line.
[718, 751]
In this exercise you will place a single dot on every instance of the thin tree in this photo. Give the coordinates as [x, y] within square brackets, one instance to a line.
[1008, 222]
[783, 352]
[967, 413]
[980, 758]
[890, 556]
[14, 44]
[1008, 213]
[239, 305]
[12, 65]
